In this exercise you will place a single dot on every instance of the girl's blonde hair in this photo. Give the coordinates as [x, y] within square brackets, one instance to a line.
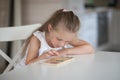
[68, 18]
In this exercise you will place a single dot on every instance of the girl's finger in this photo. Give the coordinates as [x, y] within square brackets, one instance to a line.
[50, 53]
[56, 53]
[47, 55]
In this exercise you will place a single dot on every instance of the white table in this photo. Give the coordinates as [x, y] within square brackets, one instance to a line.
[98, 66]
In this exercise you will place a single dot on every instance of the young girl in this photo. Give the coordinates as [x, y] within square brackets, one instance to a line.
[57, 36]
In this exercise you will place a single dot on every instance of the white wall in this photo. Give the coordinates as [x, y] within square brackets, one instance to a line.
[38, 11]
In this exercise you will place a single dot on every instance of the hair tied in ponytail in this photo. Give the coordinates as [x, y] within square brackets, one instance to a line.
[65, 10]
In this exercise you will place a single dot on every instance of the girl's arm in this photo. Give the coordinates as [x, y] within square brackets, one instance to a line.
[33, 50]
[79, 47]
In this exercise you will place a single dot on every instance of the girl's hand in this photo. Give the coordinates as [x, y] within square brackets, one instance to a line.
[49, 54]
[63, 52]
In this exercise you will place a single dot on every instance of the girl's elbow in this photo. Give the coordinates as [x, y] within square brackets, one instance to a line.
[27, 62]
[91, 49]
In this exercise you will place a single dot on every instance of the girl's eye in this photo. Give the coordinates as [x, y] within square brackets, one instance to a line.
[59, 39]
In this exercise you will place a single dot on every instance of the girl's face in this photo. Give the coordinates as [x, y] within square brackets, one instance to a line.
[60, 37]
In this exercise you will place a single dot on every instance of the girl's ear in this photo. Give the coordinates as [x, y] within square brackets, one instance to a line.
[50, 28]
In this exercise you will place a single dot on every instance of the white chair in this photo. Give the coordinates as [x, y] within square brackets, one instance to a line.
[13, 34]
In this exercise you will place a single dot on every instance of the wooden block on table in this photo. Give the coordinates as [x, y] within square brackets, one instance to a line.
[56, 61]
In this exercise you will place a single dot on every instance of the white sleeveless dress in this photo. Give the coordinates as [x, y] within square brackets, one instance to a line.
[44, 47]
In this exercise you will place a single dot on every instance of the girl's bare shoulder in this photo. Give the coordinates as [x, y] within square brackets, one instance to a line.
[35, 41]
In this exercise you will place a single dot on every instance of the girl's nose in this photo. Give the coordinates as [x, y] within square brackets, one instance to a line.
[63, 43]
[66, 43]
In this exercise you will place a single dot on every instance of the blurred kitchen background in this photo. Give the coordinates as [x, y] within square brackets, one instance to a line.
[100, 20]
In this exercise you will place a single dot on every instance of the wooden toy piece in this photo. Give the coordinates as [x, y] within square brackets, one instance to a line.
[58, 60]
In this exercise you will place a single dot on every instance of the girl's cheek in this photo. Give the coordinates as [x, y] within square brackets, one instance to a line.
[54, 41]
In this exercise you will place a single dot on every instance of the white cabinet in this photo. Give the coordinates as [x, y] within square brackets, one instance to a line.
[89, 28]
[114, 30]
